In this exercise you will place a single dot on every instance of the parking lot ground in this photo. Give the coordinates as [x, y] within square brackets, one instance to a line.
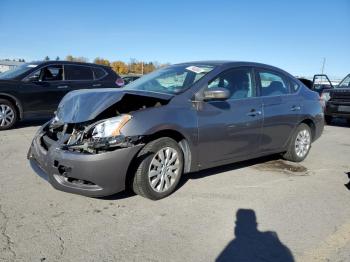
[302, 212]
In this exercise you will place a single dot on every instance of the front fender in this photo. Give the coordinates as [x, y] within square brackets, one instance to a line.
[17, 102]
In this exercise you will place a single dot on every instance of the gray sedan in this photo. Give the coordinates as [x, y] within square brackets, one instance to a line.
[179, 119]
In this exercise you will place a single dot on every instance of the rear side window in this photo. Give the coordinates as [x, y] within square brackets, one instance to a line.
[272, 84]
[294, 87]
[98, 72]
[73, 72]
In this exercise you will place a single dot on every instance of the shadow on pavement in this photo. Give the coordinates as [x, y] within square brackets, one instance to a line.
[31, 122]
[252, 245]
[339, 122]
[119, 196]
[226, 168]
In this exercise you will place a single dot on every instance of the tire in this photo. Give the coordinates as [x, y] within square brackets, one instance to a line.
[348, 121]
[328, 119]
[300, 144]
[8, 114]
[158, 157]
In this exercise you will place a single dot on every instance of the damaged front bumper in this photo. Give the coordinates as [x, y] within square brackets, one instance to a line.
[93, 175]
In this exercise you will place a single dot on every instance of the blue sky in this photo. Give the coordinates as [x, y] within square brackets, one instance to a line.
[294, 35]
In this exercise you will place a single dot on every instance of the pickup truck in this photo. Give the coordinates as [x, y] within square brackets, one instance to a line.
[335, 99]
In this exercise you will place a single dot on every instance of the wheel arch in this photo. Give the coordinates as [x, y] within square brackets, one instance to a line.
[311, 124]
[180, 139]
[15, 102]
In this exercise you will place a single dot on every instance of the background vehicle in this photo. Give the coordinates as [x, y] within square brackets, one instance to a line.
[337, 101]
[178, 119]
[130, 78]
[318, 84]
[308, 83]
[34, 89]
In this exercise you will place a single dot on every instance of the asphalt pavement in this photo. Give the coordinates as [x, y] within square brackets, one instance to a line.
[261, 210]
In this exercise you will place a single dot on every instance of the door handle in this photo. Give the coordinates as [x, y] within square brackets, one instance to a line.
[254, 113]
[96, 85]
[295, 108]
[62, 87]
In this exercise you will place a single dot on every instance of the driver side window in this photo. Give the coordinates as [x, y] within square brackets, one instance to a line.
[239, 81]
[48, 73]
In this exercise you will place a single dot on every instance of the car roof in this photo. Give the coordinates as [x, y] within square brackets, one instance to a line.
[58, 62]
[233, 63]
[225, 62]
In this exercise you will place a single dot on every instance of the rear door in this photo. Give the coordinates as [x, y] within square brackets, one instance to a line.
[104, 78]
[281, 108]
[230, 130]
[79, 76]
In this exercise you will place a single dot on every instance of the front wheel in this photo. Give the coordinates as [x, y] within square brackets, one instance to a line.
[159, 169]
[300, 144]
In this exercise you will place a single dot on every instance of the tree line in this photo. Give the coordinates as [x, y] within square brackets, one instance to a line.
[123, 68]
[132, 67]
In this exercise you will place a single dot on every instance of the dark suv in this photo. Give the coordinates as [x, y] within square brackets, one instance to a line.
[35, 89]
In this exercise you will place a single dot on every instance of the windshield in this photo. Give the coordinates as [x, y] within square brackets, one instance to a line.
[170, 80]
[13, 73]
[345, 83]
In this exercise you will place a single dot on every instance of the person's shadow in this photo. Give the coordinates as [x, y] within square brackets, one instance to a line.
[348, 184]
[251, 245]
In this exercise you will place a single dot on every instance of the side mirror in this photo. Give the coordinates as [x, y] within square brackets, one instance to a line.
[217, 93]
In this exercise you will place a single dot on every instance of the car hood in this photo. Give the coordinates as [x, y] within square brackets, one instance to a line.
[84, 105]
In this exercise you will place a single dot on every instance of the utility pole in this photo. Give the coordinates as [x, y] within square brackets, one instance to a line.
[323, 65]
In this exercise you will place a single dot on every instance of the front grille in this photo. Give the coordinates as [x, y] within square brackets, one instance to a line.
[59, 133]
[340, 95]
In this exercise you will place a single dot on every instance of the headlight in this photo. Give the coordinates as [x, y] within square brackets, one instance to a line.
[110, 127]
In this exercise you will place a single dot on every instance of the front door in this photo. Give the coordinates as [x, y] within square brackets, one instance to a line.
[230, 130]
[43, 90]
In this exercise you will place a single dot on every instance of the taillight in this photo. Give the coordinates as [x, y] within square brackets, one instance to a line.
[119, 82]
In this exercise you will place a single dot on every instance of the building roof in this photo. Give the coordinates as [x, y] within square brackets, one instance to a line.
[10, 63]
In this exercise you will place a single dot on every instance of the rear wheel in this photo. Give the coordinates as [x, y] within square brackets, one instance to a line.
[300, 144]
[8, 114]
[159, 169]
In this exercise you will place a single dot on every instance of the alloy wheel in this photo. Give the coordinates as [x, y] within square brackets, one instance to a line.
[302, 143]
[7, 115]
[164, 169]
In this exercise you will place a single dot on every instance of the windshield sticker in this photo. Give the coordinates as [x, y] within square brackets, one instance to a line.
[32, 66]
[195, 69]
